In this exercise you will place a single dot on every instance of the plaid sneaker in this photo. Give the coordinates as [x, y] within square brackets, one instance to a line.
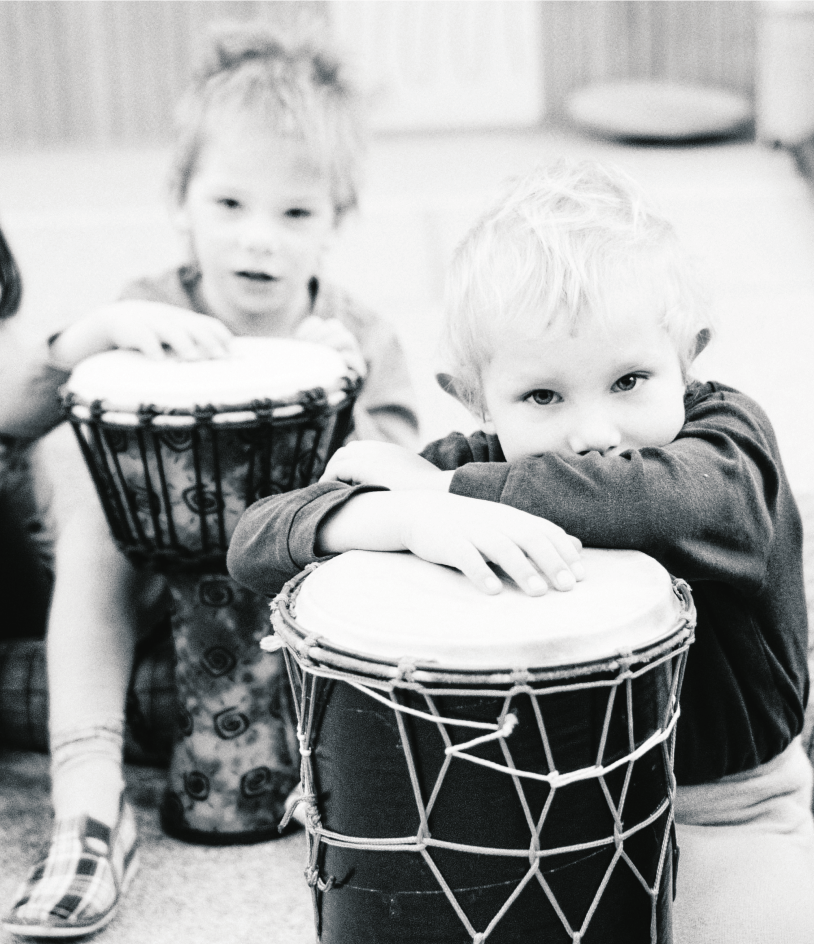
[76, 889]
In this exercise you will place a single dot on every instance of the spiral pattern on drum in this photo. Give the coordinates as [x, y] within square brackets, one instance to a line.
[255, 782]
[230, 723]
[218, 661]
[196, 785]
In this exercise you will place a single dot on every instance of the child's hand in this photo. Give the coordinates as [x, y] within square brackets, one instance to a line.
[459, 532]
[333, 334]
[155, 329]
[465, 533]
[376, 463]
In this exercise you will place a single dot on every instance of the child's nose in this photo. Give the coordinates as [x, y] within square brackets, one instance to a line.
[260, 235]
[594, 433]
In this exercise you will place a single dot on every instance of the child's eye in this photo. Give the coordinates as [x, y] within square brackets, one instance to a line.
[298, 213]
[228, 203]
[628, 382]
[543, 397]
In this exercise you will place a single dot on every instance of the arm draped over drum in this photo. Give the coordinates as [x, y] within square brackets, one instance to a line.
[275, 538]
[714, 508]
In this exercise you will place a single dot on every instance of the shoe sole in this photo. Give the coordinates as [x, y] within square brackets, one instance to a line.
[75, 930]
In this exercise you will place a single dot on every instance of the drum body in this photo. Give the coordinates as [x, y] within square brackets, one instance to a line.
[465, 778]
[177, 451]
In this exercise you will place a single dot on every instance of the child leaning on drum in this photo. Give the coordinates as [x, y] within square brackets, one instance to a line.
[572, 322]
[266, 167]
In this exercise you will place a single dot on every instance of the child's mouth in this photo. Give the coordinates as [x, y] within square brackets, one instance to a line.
[256, 276]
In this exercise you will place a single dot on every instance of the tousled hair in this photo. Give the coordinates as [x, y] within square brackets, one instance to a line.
[289, 85]
[558, 247]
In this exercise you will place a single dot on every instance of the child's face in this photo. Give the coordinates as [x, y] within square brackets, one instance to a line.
[259, 216]
[597, 389]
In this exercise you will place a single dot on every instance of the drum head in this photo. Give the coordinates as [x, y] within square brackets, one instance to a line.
[392, 607]
[257, 369]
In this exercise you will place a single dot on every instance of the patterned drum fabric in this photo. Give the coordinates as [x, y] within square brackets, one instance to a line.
[177, 451]
[237, 758]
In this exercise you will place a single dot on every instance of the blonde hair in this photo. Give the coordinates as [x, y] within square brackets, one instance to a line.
[556, 248]
[290, 86]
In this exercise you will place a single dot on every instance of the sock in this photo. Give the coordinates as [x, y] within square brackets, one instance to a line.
[86, 770]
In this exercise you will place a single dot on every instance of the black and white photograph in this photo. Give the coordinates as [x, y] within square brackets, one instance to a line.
[406, 471]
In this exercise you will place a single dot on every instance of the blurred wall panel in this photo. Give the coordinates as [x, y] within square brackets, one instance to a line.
[109, 71]
[443, 64]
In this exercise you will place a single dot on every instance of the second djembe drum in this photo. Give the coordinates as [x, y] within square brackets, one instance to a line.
[487, 767]
[177, 451]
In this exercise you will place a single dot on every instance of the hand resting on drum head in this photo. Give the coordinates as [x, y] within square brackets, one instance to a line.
[155, 329]
[460, 532]
[464, 533]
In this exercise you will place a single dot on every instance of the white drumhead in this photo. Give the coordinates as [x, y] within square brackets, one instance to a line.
[397, 606]
[257, 369]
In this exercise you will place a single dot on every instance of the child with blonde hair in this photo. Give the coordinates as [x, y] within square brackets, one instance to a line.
[573, 319]
[266, 167]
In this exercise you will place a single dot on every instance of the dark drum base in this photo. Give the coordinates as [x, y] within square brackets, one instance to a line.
[237, 757]
[364, 791]
[367, 911]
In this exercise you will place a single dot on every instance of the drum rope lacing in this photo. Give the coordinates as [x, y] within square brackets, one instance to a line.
[299, 655]
[178, 514]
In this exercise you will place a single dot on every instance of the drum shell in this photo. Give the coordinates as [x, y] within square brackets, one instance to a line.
[173, 493]
[364, 789]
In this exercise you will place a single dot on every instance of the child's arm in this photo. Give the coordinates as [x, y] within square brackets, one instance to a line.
[153, 328]
[278, 536]
[702, 505]
[32, 369]
[29, 383]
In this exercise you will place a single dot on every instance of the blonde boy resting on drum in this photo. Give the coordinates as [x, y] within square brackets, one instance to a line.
[267, 164]
[572, 322]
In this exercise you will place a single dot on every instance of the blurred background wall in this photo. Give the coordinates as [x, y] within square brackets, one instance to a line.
[91, 72]
[464, 94]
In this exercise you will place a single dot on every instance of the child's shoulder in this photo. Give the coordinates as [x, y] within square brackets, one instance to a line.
[710, 403]
[332, 301]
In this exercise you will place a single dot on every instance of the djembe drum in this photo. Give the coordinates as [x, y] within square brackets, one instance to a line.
[177, 451]
[480, 767]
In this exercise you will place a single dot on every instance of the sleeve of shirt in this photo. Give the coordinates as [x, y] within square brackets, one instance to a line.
[29, 386]
[275, 538]
[704, 505]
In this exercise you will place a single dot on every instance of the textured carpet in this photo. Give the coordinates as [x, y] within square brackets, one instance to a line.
[182, 893]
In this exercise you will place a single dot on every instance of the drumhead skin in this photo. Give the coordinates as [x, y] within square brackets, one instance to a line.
[395, 607]
[257, 369]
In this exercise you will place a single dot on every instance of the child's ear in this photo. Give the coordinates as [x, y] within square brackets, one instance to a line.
[702, 339]
[452, 386]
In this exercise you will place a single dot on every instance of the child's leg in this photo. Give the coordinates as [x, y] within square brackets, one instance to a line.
[746, 867]
[100, 605]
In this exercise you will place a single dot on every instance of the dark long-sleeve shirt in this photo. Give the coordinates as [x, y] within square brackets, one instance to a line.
[713, 507]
